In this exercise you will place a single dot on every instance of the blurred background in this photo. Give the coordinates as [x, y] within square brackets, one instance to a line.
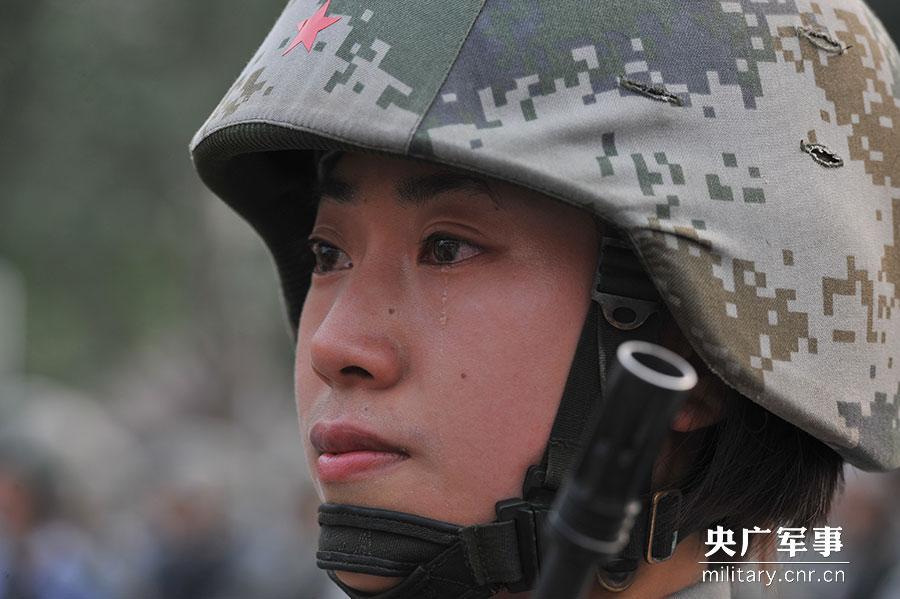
[148, 444]
[148, 440]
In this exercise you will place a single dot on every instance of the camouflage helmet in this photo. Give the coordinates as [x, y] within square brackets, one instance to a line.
[749, 149]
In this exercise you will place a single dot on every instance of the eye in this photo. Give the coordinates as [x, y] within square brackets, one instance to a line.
[443, 249]
[329, 258]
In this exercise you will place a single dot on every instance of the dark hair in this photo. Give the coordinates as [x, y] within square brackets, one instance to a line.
[753, 468]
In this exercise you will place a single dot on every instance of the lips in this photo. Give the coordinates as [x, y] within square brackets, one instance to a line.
[348, 453]
[346, 438]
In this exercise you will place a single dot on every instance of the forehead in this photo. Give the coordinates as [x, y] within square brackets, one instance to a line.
[346, 178]
[351, 179]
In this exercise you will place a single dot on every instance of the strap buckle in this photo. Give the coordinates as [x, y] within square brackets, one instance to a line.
[662, 536]
[625, 313]
[535, 489]
[528, 522]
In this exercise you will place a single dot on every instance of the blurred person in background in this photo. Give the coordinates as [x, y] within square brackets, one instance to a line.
[193, 550]
[44, 554]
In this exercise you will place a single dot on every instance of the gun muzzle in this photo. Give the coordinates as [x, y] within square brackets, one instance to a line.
[593, 514]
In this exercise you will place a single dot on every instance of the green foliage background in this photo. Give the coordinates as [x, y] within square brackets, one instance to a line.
[100, 209]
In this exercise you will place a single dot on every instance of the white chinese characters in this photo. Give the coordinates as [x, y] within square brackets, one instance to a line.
[791, 540]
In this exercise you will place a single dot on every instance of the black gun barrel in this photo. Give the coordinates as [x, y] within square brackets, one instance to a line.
[595, 510]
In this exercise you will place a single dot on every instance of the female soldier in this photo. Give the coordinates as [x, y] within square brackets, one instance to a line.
[497, 194]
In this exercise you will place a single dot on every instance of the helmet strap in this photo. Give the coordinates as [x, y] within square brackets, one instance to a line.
[625, 305]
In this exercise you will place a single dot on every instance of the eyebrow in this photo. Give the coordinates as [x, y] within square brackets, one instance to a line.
[415, 190]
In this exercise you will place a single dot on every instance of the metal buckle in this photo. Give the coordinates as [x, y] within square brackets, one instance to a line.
[660, 549]
[625, 313]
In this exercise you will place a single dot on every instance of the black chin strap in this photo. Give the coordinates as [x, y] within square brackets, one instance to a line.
[438, 560]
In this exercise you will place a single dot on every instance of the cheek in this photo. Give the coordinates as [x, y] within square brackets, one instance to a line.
[501, 362]
[306, 383]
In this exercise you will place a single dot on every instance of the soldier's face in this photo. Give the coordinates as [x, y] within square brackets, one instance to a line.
[437, 336]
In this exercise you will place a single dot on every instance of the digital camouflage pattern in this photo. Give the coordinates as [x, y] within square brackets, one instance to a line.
[784, 273]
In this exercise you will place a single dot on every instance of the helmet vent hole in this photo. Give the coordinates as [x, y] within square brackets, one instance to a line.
[654, 92]
[822, 155]
[822, 39]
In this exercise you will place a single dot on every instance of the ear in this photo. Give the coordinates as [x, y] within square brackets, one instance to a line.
[703, 408]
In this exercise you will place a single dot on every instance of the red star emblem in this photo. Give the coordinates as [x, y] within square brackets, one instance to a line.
[311, 27]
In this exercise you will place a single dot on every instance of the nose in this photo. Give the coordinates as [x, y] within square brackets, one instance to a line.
[344, 359]
[357, 343]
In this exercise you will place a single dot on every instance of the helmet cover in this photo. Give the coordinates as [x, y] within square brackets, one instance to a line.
[749, 149]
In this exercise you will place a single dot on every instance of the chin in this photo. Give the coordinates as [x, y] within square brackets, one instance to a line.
[368, 583]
